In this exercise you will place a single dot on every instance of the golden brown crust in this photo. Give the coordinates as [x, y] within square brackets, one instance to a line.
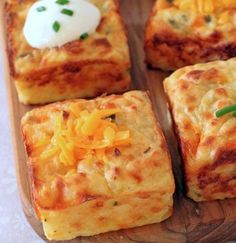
[176, 38]
[207, 143]
[135, 174]
[68, 71]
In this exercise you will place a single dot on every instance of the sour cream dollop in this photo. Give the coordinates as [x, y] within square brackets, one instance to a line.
[52, 23]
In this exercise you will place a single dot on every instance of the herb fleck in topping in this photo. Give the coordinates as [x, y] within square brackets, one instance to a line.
[184, 17]
[62, 2]
[84, 36]
[147, 150]
[207, 18]
[67, 11]
[56, 26]
[41, 9]
[115, 203]
[174, 23]
[25, 54]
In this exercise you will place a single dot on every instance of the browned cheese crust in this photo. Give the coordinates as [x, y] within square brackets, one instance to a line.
[133, 188]
[82, 68]
[208, 143]
[176, 38]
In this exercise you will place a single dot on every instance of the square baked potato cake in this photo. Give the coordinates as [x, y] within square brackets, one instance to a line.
[202, 98]
[86, 67]
[98, 165]
[185, 32]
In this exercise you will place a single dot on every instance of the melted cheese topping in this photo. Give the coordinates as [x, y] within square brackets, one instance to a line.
[81, 135]
[205, 6]
[52, 23]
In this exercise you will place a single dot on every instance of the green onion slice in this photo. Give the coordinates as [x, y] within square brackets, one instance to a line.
[62, 2]
[84, 36]
[56, 26]
[225, 110]
[234, 113]
[67, 11]
[41, 9]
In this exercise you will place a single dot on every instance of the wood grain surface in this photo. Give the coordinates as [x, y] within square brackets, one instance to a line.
[191, 222]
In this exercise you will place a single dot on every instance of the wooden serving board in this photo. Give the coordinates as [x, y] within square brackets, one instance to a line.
[191, 222]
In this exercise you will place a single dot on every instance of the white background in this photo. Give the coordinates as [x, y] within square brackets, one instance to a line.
[13, 225]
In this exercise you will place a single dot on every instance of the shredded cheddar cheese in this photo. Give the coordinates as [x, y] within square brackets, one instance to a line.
[224, 17]
[205, 6]
[83, 135]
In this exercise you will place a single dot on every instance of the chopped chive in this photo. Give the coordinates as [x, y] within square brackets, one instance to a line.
[225, 110]
[67, 11]
[234, 113]
[56, 26]
[62, 2]
[84, 36]
[207, 18]
[41, 9]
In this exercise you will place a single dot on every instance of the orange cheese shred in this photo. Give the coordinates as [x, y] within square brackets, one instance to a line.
[204, 6]
[83, 135]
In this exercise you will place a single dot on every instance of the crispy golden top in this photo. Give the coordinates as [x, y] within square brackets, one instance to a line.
[134, 166]
[201, 18]
[205, 6]
[196, 93]
[108, 44]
